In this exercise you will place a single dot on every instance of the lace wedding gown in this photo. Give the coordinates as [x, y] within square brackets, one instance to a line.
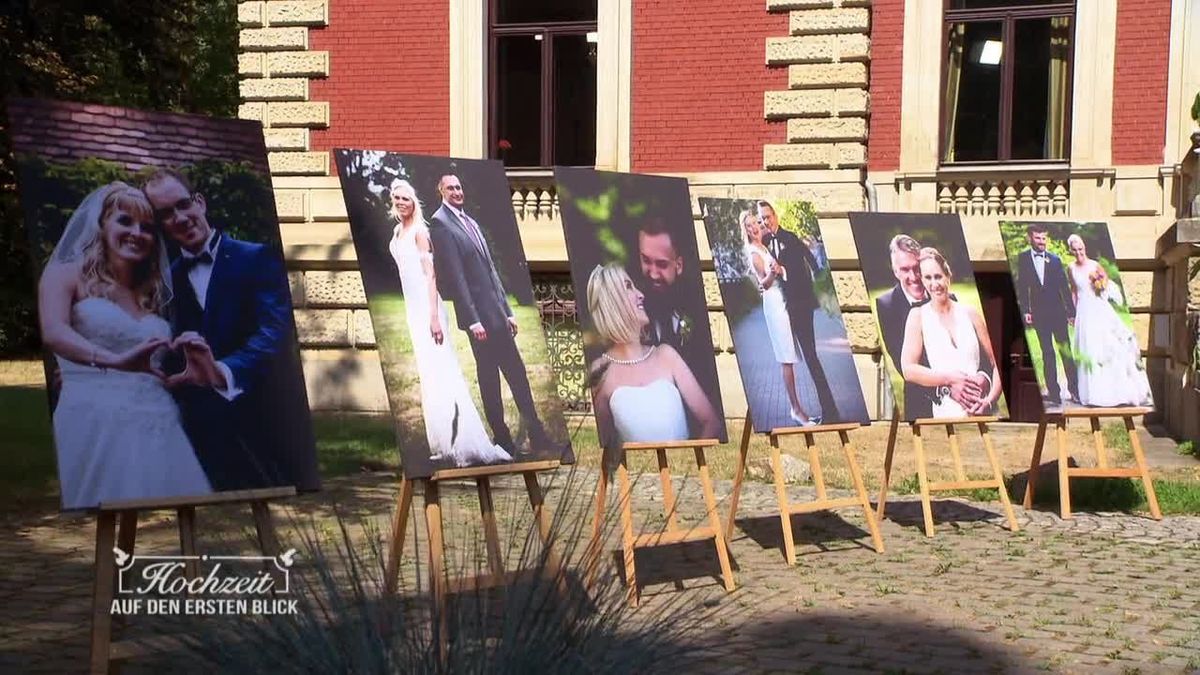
[118, 434]
[779, 324]
[652, 412]
[452, 423]
[947, 351]
[1106, 349]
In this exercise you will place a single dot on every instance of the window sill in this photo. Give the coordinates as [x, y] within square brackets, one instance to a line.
[1004, 167]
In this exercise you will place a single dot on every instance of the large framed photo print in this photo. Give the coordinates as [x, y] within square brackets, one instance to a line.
[634, 260]
[1076, 315]
[941, 363]
[460, 338]
[791, 345]
[163, 303]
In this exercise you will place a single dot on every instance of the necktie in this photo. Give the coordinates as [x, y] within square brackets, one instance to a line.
[473, 231]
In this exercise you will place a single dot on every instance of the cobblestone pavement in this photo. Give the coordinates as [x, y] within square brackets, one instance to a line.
[1100, 593]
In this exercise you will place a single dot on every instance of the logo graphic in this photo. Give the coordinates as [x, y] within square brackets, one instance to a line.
[233, 584]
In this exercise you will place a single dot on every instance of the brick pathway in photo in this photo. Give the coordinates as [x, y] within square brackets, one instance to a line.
[1101, 593]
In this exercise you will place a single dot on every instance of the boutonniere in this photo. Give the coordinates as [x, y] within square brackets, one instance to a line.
[685, 328]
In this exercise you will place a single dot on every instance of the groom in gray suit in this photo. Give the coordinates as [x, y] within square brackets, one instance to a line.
[466, 276]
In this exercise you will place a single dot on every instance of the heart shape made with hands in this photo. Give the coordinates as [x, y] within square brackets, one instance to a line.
[200, 367]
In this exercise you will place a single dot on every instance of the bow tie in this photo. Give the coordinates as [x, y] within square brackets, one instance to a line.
[186, 263]
[1039, 255]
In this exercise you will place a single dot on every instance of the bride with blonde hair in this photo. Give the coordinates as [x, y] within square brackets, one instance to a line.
[101, 297]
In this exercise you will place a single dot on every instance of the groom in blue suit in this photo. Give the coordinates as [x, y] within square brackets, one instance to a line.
[241, 390]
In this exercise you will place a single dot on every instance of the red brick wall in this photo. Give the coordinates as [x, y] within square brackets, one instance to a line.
[699, 73]
[887, 60]
[389, 76]
[1140, 81]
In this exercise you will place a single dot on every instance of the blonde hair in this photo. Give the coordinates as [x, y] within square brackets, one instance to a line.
[931, 253]
[614, 317]
[401, 185]
[96, 275]
[1076, 237]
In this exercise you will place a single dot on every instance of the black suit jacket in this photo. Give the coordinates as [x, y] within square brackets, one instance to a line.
[466, 275]
[1049, 301]
[247, 323]
[892, 309]
[800, 266]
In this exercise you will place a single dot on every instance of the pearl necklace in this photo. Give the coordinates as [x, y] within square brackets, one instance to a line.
[630, 362]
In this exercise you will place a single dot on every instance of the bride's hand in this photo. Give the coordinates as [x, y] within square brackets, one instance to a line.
[139, 359]
[435, 329]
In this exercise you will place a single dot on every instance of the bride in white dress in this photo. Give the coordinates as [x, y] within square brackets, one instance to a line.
[452, 423]
[1106, 349]
[640, 393]
[950, 335]
[117, 430]
[767, 272]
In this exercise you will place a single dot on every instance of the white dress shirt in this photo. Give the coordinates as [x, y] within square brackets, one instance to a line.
[1039, 265]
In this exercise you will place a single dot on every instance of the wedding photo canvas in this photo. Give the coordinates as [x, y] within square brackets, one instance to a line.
[923, 296]
[1075, 314]
[635, 264]
[791, 345]
[163, 301]
[460, 338]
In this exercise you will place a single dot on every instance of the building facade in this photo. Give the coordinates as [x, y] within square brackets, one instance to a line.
[992, 109]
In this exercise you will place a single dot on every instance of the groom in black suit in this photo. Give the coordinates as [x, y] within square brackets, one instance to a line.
[466, 275]
[1045, 295]
[241, 389]
[799, 267]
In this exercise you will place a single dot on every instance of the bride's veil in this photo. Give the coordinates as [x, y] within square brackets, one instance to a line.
[83, 228]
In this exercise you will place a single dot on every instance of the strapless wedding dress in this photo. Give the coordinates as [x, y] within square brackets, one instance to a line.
[1109, 358]
[118, 434]
[652, 412]
[453, 426]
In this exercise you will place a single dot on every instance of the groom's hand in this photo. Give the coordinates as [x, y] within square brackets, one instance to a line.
[512, 326]
[966, 392]
[478, 332]
[200, 366]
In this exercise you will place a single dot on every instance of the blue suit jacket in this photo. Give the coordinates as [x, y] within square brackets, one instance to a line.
[263, 437]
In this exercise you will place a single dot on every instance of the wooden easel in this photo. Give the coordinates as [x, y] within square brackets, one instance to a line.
[1102, 470]
[104, 652]
[673, 534]
[961, 482]
[822, 502]
[440, 587]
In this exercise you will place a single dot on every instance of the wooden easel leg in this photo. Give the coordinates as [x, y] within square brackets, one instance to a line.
[437, 566]
[627, 550]
[739, 476]
[959, 472]
[187, 539]
[710, 503]
[595, 548]
[127, 522]
[999, 474]
[1035, 464]
[491, 534]
[267, 539]
[1140, 458]
[1098, 441]
[923, 480]
[880, 512]
[102, 591]
[861, 490]
[664, 477]
[1064, 476]
[541, 515]
[399, 528]
[814, 462]
[785, 510]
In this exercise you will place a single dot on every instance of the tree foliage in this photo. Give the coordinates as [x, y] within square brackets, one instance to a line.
[179, 56]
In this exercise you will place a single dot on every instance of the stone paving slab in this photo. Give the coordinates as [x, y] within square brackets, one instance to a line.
[1103, 592]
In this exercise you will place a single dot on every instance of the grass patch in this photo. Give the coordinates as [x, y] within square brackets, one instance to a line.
[1175, 496]
[1188, 449]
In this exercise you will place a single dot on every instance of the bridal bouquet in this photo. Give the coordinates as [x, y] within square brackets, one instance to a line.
[1098, 281]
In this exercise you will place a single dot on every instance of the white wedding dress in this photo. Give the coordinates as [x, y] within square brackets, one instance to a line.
[957, 352]
[452, 423]
[779, 324]
[649, 413]
[1106, 349]
[118, 433]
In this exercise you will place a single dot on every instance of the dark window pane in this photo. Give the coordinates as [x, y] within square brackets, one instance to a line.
[971, 100]
[519, 99]
[987, 4]
[574, 101]
[527, 11]
[1040, 54]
